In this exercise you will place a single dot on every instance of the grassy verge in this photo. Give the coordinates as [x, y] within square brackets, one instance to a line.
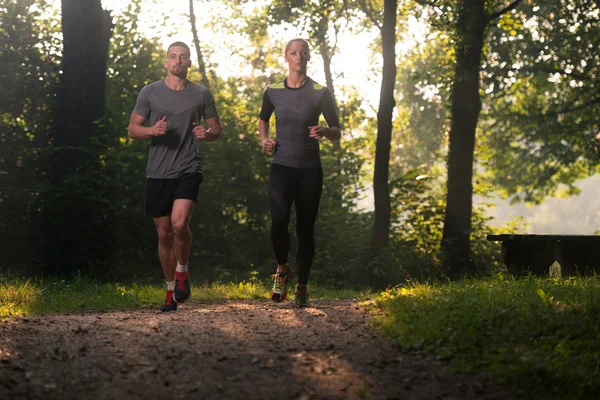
[542, 334]
[35, 297]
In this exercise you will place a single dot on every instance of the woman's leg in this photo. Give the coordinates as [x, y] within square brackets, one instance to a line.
[281, 195]
[308, 197]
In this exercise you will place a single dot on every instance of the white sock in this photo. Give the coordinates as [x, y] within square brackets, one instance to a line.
[171, 285]
[181, 268]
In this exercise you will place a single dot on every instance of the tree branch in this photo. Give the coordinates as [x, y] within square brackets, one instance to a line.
[426, 3]
[506, 9]
[442, 15]
[536, 69]
[574, 109]
[544, 115]
[368, 11]
[550, 70]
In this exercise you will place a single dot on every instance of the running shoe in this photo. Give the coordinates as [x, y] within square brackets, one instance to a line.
[170, 303]
[182, 287]
[301, 298]
[280, 282]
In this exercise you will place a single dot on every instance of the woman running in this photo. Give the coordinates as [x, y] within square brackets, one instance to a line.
[296, 175]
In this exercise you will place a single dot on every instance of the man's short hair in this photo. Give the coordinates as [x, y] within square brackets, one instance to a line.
[179, 44]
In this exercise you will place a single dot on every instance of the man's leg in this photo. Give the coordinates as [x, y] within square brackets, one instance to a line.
[168, 260]
[184, 195]
[182, 209]
[180, 216]
[166, 252]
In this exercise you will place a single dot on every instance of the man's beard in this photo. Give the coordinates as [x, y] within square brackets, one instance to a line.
[179, 72]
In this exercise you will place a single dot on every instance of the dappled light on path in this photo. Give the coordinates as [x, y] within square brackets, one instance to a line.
[221, 350]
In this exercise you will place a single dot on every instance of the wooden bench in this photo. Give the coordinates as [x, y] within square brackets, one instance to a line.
[576, 254]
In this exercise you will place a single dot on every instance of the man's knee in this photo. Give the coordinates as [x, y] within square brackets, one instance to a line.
[164, 235]
[180, 226]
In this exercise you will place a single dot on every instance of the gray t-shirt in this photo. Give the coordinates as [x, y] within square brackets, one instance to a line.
[295, 110]
[176, 152]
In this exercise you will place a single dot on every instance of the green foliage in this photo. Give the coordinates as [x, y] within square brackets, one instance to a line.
[341, 238]
[29, 57]
[537, 130]
[541, 122]
[418, 207]
[541, 334]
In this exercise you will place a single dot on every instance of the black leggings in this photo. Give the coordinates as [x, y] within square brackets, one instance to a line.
[302, 186]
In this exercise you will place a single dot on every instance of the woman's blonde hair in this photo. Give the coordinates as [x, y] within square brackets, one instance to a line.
[289, 43]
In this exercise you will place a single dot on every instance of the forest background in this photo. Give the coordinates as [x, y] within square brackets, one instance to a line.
[72, 183]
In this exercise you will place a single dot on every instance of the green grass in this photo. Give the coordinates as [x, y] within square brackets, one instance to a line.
[539, 334]
[36, 297]
[20, 298]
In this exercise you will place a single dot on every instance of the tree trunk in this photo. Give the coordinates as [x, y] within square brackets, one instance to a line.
[71, 218]
[201, 64]
[466, 105]
[326, 55]
[387, 103]
[87, 29]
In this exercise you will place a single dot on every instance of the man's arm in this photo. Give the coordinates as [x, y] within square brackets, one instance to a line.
[215, 129]
[138, 131]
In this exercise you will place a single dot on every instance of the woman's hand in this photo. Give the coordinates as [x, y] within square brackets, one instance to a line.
[268, 145]
[316, 132]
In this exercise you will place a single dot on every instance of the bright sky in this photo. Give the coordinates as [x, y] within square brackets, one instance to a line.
[353, 65]
[354, 59]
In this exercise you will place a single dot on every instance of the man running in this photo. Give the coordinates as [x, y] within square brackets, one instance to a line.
[174, 108]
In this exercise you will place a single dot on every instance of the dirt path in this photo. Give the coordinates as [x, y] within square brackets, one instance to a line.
[221, 350]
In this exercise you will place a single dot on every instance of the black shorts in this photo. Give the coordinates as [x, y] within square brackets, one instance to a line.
[161, 193]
